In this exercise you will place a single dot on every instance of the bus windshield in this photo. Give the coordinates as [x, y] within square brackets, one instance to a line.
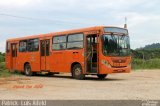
[116, 45]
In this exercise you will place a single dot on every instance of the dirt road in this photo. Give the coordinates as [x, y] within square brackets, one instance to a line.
[136, 85]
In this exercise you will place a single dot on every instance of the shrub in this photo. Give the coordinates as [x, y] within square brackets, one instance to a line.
[146, 64]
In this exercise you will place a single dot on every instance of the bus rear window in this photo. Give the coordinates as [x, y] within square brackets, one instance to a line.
[8, 46]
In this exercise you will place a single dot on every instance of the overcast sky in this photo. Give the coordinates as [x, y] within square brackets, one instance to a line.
[28, 17]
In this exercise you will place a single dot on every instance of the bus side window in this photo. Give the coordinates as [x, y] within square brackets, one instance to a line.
[59, 43]
[75, 41]
[47, 47]
[23, 46]
[8, 46]
[33, 45]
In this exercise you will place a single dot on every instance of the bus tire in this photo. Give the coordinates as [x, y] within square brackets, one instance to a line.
[77, 72]
[101, 76]
[50, 74]
[27, 70]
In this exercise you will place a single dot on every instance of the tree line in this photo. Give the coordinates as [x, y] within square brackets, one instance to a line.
[2, 57]
[146, 54]
[147, 57]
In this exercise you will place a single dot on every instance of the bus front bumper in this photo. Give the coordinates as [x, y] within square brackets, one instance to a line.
[115, 70]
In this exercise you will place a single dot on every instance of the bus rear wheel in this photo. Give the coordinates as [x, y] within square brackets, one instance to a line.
[101, 76]
[50, 74]
[77, 72]
[27, 70]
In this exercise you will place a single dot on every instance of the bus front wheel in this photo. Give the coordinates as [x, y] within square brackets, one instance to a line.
[101, 76]
[27, 70]
[77, 72]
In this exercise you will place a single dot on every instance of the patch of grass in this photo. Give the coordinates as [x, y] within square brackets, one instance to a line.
[2, 58]
[2, 66]
[3, 71]
[146, 64]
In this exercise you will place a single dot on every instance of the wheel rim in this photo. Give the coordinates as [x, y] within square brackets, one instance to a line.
[77, 71]
[27, 70]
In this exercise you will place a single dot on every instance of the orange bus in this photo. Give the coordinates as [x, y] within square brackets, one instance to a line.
[89, 51]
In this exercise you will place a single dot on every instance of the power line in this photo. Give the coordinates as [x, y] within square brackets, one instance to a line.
[35, 19]
[9, 15]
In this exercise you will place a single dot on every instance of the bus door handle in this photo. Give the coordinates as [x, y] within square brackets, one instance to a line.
[75, 52]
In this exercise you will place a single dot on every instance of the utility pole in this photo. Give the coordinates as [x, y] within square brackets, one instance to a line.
[125, 25]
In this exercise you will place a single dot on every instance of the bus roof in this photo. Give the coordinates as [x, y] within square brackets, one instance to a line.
[60, 33]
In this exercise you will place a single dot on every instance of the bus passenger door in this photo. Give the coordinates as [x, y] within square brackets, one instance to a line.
[91, 54]
[45, 55]
[14, 56]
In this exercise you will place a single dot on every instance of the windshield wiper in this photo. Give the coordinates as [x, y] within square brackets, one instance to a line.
[113, 37]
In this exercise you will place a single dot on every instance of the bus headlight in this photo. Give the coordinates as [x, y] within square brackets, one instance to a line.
[104, 62]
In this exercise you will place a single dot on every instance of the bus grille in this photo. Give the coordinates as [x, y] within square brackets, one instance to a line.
[119, 63]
